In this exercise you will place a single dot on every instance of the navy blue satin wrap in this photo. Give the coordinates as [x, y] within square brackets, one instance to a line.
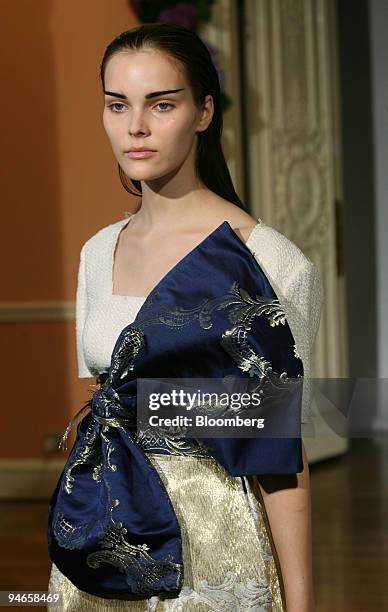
[112, 529]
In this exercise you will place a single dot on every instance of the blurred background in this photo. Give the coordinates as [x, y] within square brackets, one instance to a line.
[305, 93]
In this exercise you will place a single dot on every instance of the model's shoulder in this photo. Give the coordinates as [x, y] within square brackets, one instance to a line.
[265, 241]
[101, 238]
[240, 220]
[273, 243]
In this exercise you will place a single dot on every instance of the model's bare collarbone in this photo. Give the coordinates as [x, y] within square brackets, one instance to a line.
[140, 262]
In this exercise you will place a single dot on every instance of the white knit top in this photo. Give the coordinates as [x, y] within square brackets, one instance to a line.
[101, 315]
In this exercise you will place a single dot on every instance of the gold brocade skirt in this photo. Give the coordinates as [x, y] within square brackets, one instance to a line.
[230, 563]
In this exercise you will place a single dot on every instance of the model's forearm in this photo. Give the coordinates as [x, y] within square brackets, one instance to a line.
[288, 504]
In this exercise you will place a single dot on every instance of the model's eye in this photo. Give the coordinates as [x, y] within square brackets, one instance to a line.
[115, 104]
[168, 104]
[162, 106]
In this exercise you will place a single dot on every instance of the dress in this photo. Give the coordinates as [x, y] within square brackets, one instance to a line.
[230, 562]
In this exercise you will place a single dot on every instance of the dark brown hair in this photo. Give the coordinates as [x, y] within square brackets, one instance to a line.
[185, 46]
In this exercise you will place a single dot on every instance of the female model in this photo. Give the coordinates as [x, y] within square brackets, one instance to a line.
[245, 541]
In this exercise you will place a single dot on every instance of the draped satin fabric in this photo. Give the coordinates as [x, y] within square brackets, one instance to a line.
[112, 529]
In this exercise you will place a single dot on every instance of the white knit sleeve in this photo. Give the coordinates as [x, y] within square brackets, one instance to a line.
[304, 295]
[81, 309]
[306, 289]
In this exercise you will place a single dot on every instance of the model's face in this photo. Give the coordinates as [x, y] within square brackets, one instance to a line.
[166, 122]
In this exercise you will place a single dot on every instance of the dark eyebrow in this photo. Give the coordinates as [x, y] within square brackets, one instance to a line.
[153, 94]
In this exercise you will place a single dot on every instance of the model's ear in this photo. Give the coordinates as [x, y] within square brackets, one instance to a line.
[206, 114]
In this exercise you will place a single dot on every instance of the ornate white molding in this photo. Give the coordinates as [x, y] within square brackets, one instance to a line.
[294, 143]
[294, 147]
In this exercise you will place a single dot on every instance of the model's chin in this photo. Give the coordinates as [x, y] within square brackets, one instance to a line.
[138, 165]
[142, 176]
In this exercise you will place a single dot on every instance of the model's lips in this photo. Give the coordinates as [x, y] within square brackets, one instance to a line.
[139, 154]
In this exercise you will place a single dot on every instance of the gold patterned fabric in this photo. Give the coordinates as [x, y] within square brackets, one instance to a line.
[228, 553]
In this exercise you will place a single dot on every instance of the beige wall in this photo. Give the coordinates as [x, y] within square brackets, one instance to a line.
[59, 186]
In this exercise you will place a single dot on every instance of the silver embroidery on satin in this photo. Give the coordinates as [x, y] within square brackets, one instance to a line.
[130, 344]
[141, 570]
[152, 439]
[68, 535]
[74, 536]
[243, 310]
[296, 353]
[235, 341]
[87, 454]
